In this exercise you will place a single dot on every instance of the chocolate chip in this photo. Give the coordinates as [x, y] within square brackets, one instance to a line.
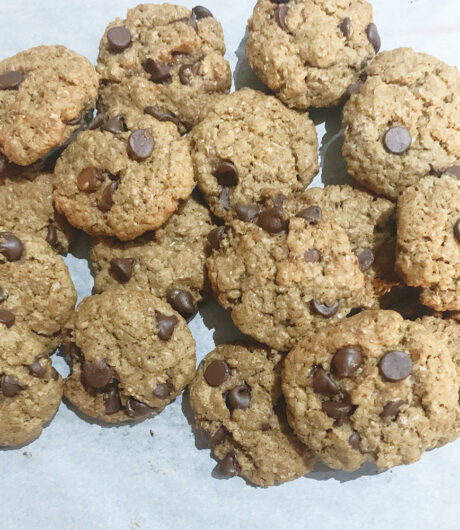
[89, 180]
[158, 70]
[215, 236]
[397, 140]
[219, 436]
[105, 202]
[272, 220]
[98, 121]
[355, 441]
[281, 13]
[457, 230]
[97, 374]
[279, 1]
[354, 88]
[365, 259]
[239, 398]
[326, 311]
[161, 115]
[201, 12]
[119, 38]
[278, 201]
[7, 318]
[225, 198]
[187, 70]
[322, 383]
[339, 410]
[136, 409]
[162, 390]
[395, 365]
[391, 409]
[36, 369]
[74, 121]
[166, 325]
[11, 246]
[114, 125]
[246, 213]
[52, 236]
[2, 295]
[373, 36]
[454, 171]
[122, 268]
[140, 144]
[112, 402]
[312, 255]
[313, 214]
[345, 27]
[346, 361]
[190, 21]
[182, 302]
[11, 80]
[226, 174]
[10, 386]
[216, 373]
[229, 466]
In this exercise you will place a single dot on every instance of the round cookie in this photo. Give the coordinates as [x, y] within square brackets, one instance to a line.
[370, 224]
[26, 205]
[45, 94]
[374, 387]
[237, 401]
[309, 52]
[428, 240]
[124, 178]
[285, 274]
[248, 146]
[169, 263]
[402, 124]
[30, 388]
[161, 56]
[35, 287]
[132, 354]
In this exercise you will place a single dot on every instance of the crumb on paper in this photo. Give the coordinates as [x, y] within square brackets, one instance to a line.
[27, 454]
[152, 434]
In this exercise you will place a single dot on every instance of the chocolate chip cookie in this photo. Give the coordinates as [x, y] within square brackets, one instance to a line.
[30, 388]
[248, 146]
[373, 387]
[35, 287]
[309, 52]
[428, 241]
[237, 401]
[167, 60]
[402, 125]
[285, 272]
[26, 205]
[370, 223]
[170, 263]
[132, 355]
[124, 178]
[45, 94]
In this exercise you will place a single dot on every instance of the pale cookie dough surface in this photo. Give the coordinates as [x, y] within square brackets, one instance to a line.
[35, 286]
[249, 145]
[129, 195]
[174, 61]
[448, 330]
[310, 51]
[387, 402]
[237, 401]
[30, 388]
[39, 110]
[403, 125]
[370, 224]
[171, 258]
[26, 205]
[132, 354]
[284, 276]
[428, 249]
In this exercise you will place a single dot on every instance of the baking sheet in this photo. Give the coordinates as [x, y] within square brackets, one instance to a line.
[79, 475]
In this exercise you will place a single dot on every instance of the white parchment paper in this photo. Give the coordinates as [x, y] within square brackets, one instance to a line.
[79, 475]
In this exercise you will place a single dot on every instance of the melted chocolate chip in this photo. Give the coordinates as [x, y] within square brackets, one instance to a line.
[11, 246]
[229, 466]
[114, 125]
[136, 409]
[454, 171]
[272, 220]
[239, 398]
[391, 409]
[395, 366]
[339, 410]
[140, 144]
[119, 39]
[346, 361]
[11, 80]
[354, 88]
[246, 213]
[313, 214]
[457, 230]
[397, 140]
[186, 71]
[324, 310]
[97, 374]
[225, 198]
[281, 13]
[345, 27]
[355, 441]
[312, 256]
[373, 36]
[215, 237]
[182, 302]
[322, 383]
[161, 115]
[112, 402]
[98, 121]
[89, 180]
[105, 202]
[52, 236]
[201, 12]
[36, 369]
[218, 437]
[122, 268]
[159, 71]
[7, 318]
[10, 386]
[162, 390]
[216, 373]
[226, 174]
[166, 325]
[365, 259]
[190, 21]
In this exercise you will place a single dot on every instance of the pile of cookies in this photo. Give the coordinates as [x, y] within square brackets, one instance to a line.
[349, 295]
